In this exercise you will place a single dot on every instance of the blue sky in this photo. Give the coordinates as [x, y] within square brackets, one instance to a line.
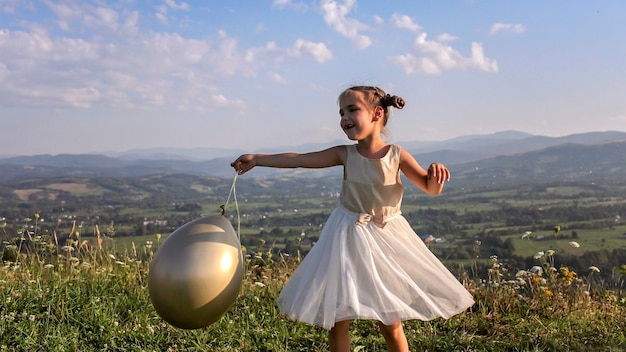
[103, 76]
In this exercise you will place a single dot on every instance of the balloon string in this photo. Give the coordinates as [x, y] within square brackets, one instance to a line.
[234, 194]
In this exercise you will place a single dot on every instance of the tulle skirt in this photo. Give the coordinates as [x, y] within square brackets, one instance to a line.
[363, 271]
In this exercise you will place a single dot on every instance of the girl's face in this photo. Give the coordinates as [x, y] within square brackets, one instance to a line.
[358, 121]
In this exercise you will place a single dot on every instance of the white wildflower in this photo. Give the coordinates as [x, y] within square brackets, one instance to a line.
[550, 252]
[539, 255]
[574, 244]
[260, 284]
[594, 268]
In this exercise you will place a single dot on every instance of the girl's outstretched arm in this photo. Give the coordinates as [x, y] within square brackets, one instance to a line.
[325, 158]
[430, 181]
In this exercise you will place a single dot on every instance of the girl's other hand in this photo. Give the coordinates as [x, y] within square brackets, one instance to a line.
[438, 172]
[244, 163]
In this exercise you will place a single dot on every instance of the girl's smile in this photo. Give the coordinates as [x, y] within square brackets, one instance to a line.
[348, 126]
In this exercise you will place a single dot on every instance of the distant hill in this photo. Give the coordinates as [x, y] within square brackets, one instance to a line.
[191, 154]
[469, 148]
[501, 156]
[565, 162]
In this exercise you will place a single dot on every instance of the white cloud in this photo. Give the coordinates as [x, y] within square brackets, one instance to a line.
[277, 78]
[335, 17]
[9, 6]
[445, 37]
[301, 47]
[65, 11]
[379, 20]
[162, 10]
[299, 7]
[480, 61]
[130, 23]
[80, 97]
[506, 27]
[104, 19]
[433, 57]
[173, 5]
[404, 22]
[161, 13]
[318, 88]
[126, 68]
[221, 101]
[319, 51]
[281, 3]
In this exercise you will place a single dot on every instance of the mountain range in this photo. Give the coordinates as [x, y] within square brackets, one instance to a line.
[504, 156]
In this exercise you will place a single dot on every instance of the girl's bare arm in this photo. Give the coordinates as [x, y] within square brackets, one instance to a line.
[325, 158]
[430, 181]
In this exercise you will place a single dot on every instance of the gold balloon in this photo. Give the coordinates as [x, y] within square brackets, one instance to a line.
[196, 274]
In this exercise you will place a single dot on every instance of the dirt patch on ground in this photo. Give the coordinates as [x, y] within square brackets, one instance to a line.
[24, 194]
[74, 188]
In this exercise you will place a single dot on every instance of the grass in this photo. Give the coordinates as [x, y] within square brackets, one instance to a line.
[90, 297]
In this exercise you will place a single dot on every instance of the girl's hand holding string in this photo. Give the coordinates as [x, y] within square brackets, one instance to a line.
[244, 163]
[438, 172]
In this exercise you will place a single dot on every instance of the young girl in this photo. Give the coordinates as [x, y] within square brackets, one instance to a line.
[368, 262]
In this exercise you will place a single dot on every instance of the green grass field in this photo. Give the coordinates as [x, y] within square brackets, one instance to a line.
[90, 297]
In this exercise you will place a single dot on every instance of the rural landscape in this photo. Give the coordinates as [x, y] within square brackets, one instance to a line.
[532, 226]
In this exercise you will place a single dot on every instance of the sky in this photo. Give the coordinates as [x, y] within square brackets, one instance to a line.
[109, 76]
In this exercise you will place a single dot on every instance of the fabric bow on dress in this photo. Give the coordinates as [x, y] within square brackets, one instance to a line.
[365, 219]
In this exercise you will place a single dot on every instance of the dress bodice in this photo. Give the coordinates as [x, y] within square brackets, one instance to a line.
[372, 186]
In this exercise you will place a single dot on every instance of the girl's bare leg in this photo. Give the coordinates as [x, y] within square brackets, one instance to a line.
[339, 337]
[394, 336]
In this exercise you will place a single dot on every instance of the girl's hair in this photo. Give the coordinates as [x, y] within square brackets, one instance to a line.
[374, 97]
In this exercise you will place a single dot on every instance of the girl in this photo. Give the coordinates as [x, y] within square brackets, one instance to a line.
[368, 262]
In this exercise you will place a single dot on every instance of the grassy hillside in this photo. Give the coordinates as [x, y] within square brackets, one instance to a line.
[82, 297]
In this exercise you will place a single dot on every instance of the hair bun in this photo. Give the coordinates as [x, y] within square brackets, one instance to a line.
[393, 101]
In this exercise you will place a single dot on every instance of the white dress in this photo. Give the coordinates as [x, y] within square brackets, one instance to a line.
[368, 262]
